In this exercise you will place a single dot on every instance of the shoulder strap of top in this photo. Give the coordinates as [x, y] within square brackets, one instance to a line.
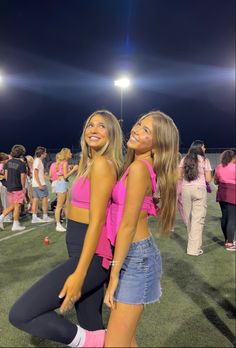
[125, 175]
[152, 175]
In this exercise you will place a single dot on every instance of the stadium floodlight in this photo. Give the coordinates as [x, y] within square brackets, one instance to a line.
[1, 79]
[122, 83]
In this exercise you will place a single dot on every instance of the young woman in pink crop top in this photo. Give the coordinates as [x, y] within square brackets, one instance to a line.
[80, 280]
[225, 178]
[63, 172]
[136, 269]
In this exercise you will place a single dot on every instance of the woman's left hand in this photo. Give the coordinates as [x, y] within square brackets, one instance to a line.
[108, 300]
[71, 292]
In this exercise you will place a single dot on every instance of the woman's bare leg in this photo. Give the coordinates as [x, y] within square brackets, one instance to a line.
[122, 325]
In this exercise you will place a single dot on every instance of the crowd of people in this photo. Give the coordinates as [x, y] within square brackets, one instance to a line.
[107, 235]
[23, 184]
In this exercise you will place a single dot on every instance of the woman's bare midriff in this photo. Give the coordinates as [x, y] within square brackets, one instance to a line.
[142, 229]
[78, 214]
[82, 215]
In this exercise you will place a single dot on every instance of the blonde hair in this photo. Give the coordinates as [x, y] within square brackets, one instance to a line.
[63, 155]
[29, 159]
[165, 164]
[112, 149]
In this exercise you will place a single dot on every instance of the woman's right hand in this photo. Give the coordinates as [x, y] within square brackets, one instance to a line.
[70, 292]
[113, 283]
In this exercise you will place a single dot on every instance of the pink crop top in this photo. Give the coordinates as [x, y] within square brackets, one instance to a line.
[80, 197]
[80, 193]
[53, 171]
[59, 171]
[116, 208]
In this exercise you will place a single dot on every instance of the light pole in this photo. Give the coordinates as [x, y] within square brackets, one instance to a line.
[122, 83]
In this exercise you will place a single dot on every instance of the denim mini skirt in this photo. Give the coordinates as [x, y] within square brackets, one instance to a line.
[61, 186]
[139, 280]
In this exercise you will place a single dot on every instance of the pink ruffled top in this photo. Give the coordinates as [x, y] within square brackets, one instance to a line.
[116, 208]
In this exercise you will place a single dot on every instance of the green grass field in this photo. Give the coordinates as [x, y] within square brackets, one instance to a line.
[197, 307]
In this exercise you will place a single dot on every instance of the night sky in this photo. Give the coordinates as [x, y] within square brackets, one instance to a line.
[59, 60]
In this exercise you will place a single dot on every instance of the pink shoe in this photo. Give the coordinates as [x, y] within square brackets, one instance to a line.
[94, 338]
[230, 247]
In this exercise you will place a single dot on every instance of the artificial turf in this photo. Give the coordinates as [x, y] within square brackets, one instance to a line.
[197, 307]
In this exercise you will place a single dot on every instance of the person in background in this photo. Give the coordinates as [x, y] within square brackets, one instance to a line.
[194, 171]
[53, 173]
[28, 186]
[225, 178]
[79, 281]
[3, 186]
[53, 179]
[179, 195]
[40, 190]
[137, 268]
[15, 175]
[63, 172]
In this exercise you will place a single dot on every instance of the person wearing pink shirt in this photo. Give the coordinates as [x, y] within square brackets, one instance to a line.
[79, 281]
[195, 171]
[63, 172]
[53, 174]
[225, 178]
[135, 279]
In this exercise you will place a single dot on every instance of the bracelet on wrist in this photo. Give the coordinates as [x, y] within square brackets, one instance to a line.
[114, 262]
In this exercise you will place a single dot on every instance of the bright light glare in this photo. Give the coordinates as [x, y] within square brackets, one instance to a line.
[1, 79]
[124, 82]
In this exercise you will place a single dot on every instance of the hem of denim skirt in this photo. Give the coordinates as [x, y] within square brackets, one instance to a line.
[141, 303]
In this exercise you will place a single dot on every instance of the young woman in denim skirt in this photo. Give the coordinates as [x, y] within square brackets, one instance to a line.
[136, 268]
[63, 172]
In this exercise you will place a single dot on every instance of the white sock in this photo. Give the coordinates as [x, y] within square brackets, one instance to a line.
[79, 339]
[34, 216]
[16, 223]
[1, 217]
[45, 216]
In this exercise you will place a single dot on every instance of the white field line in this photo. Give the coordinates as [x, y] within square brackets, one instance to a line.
[23, 232]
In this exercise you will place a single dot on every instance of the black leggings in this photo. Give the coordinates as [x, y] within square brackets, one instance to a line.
[34, 312]
[228, 220]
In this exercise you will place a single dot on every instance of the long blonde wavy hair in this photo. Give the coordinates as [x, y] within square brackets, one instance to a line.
[165, 164]
[113, 149]
[63, 155]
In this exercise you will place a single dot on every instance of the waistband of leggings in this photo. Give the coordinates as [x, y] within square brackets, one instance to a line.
[76, 223]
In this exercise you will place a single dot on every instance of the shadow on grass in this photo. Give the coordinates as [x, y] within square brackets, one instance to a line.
[180, 240]
[212, 316]
[198, 290]
[185, 336]
[207, 248]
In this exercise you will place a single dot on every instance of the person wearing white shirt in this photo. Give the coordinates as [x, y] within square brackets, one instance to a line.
[40, 190]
